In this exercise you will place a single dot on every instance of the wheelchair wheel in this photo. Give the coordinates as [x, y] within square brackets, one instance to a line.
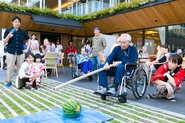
[122, 98]
[74, 71]
[103, 97]
[139, 83]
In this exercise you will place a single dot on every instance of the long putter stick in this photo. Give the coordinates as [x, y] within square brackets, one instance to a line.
[79, 78]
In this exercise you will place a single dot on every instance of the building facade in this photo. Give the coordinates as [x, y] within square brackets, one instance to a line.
[173, 35]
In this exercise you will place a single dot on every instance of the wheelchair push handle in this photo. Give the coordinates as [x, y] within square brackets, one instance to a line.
[81, 77]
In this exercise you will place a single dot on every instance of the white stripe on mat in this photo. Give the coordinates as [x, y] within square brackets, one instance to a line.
[32, 98]
[16, 103]
[9, 108]
[31, 105]
[42, 98]
[2, 116]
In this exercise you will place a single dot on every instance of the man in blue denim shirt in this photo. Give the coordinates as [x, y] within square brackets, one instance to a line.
[15, 47]
[125, 53]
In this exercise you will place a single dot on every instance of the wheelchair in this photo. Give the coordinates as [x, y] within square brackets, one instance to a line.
[77, 70]
[134, 79]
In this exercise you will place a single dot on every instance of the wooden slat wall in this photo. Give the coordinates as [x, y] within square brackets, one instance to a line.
[165, 14]
[64, 41]
[28, 24]
[37, 35]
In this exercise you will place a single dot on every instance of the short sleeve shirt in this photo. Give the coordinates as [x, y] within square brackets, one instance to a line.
[98, 45]
[15, 43]
[48, 48]
[59, 47]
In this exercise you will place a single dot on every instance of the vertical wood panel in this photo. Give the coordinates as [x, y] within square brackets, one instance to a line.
[37, 35]
[64, 41]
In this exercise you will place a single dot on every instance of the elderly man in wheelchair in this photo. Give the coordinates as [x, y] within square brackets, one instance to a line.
[123, 58]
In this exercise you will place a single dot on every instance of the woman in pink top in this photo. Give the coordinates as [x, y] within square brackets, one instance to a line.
[34, 41]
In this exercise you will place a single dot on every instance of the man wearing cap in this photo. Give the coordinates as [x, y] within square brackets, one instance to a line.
[98, 45]
[122, 54]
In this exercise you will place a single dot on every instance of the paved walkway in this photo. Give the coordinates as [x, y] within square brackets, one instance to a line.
[157, 104]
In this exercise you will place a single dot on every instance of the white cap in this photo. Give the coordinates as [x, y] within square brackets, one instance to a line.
[126, 37]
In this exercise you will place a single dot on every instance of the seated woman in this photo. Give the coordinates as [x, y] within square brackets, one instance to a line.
[84, 61]
[144, 58]
[179, 51]
[87, 47]
[168, 77]
[162, 58]
[144, 52]
[71, 50]
[34, 49]
[23, 75]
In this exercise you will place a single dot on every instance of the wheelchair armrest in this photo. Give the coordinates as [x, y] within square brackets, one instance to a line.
[130, 64]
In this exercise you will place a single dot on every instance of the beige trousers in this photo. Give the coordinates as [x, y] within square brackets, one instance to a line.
[11, 60]
[163, 91]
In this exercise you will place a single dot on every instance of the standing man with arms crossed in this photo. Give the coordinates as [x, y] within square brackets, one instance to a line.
[98, 45]
[15, 47]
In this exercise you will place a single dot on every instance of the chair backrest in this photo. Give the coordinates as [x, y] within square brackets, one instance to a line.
[50, 59]
[62, 57]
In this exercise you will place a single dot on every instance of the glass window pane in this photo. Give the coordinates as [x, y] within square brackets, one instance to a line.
[105, 3]
[176, 37]
[153, 39]
[32, 3]
[137, 38]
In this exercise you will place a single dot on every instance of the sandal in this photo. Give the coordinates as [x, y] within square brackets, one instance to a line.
[172, 99]
[149, 96]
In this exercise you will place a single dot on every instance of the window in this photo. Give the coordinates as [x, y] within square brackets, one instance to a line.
[176, 37]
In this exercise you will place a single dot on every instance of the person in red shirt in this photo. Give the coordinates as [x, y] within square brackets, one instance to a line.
[168, 78]
[71, 50]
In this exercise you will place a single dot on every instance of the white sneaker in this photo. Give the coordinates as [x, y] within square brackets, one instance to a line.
[82, 73]
[102, 91]
[111, 91]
